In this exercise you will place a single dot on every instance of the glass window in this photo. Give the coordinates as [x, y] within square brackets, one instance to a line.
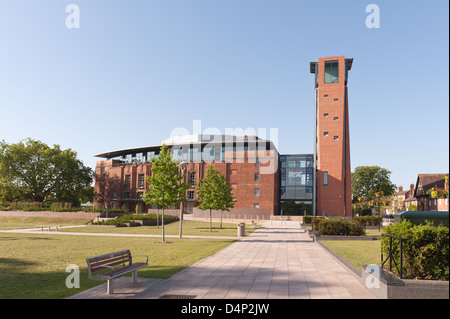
[256, 192]
[141, 181]
[325, 178]
[191, 195]
[331, 72]
[256, 177]
[191, 178]
[325, 133]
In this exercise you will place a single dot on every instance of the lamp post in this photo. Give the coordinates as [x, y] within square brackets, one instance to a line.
[183, 166]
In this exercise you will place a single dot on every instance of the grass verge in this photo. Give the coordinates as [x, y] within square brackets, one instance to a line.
[32, 266]
[356, 252]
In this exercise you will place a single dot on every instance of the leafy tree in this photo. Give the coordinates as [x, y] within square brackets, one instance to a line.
[32, 171]
[367, 181]
[214, 192]
[165, 188]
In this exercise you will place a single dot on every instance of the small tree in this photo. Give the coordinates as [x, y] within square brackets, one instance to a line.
[165, 188]
[214, 192]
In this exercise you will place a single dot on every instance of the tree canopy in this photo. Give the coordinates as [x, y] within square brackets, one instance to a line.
[214, 192]
[165, 188]
[367, 181]
[32, 171]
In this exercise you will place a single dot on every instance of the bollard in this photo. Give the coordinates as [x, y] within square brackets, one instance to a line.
[241, 230]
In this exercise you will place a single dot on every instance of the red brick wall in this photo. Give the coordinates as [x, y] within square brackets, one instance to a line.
[239, 175]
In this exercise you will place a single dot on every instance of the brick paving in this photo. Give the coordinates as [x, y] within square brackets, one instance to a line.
[278, 260]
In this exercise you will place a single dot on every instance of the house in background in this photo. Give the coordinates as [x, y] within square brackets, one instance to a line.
[403, 199]
[425, 182]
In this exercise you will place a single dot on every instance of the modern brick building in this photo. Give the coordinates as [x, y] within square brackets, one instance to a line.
[249, 164]
[263, 181]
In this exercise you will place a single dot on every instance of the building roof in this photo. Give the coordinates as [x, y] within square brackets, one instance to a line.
[428, 181]
[312, 65]
[196, 139]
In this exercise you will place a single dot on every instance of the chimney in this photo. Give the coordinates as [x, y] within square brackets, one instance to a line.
[400, 188]
[411, 190]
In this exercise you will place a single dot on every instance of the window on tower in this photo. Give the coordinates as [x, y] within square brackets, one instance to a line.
[331, 72]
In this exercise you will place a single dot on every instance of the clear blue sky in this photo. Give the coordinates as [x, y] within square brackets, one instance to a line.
[136, 70]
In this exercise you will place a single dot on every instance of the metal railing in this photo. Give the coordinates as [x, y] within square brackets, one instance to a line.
[393, 250]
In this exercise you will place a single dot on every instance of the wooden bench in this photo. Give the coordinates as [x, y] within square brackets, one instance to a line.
[116, 264]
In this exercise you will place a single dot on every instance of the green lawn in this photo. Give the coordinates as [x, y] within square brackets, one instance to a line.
[356, 252]
[189, 228]
[33, 265]
[20, 222]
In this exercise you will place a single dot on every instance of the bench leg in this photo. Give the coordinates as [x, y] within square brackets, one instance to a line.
[134, 275]
[110, 286]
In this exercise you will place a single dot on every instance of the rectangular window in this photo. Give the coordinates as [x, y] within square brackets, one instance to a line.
[255, 205]
[336, 118]
[140, 181]
[325, 115]
[256, 177]
[336, 138]
[191, 195]
[191, 179]
[331, 71]
[256, 192]
[326, 95]
[126, 195]
[325, 178]
[336, 100]
[325, 133]
[127, 181]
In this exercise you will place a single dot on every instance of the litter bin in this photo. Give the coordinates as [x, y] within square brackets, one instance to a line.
[241, 230]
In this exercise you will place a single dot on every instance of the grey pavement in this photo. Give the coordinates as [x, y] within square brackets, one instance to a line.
[278, 260]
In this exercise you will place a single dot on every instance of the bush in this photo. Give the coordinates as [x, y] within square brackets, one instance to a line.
[340, 227]
[425, 250]
[315, 222]
[368, 220]
[129, 218]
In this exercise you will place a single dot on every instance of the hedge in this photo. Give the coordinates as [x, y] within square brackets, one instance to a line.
[340, 226]
[368, 220]
[425, 250]
[133, 217]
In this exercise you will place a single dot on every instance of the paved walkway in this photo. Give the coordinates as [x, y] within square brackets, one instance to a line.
[278, 260]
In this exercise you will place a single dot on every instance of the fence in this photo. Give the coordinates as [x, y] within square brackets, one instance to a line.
[394, 249]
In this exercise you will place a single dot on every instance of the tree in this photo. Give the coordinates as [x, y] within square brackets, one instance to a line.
[214, 192]
[32, 171]
[165, 188]
[367, 181]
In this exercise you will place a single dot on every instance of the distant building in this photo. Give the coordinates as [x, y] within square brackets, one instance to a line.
[425, 182]
[403, 198]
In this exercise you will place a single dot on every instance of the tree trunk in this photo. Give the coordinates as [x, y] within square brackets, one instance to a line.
[210, 221]
[162, 221]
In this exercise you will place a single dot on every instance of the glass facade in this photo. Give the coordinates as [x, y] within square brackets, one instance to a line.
[296, 178]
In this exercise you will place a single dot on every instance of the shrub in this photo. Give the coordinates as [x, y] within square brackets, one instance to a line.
[368, 220]
[133, 217]
[315, 221]
[425, 250]
[340, 227]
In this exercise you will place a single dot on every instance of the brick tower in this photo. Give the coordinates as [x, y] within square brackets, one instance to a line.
[331, 137]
